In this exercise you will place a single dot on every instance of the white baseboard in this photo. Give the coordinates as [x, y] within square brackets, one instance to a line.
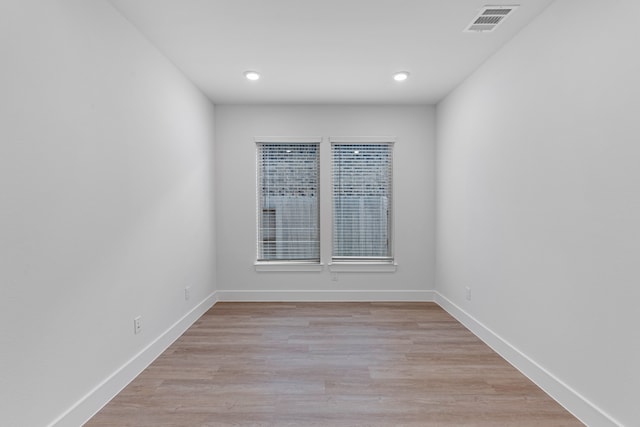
[97, 398]
[325, 296]
[562, 393]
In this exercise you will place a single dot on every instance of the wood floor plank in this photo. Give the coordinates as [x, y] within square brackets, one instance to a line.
[330, 364]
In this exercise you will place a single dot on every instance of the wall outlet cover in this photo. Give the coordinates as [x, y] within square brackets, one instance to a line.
[137, 325]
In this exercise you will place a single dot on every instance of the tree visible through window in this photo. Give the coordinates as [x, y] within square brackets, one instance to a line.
[288, 210]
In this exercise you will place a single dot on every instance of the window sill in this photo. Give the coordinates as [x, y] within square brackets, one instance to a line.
[267, 266]
[363, 267]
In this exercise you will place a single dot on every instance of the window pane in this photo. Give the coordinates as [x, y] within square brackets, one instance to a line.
[362, 183]
[288, 210]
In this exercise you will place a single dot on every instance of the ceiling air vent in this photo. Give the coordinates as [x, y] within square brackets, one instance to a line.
[489, 18]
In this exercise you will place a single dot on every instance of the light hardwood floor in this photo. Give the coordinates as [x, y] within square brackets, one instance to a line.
[330, 364]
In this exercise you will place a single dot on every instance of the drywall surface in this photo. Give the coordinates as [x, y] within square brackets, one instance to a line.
[538, 198]
[236, 127]
[106, 193]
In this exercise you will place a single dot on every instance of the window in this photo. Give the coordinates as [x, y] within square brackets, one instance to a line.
[288, 208]
[362, 201]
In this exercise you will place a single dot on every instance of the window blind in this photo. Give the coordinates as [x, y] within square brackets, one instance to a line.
[288, 209]
[362, 195]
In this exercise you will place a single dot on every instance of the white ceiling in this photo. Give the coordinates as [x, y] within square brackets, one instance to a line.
[324, 51]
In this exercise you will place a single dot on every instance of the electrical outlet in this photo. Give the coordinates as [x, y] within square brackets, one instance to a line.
[187, 293]
[468, 293]
[334, 276]
[137, 325]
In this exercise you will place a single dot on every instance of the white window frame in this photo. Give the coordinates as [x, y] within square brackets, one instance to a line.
[279, 265]
[366, 265]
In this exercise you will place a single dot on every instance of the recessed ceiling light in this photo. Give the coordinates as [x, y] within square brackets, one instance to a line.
[252, 75]
[401, 76]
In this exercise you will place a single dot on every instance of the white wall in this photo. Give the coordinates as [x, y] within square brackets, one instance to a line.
[538, 208]
[414, 173]
[106, 201]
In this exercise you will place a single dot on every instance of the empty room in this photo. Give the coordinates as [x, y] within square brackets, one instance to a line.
[319, 213]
